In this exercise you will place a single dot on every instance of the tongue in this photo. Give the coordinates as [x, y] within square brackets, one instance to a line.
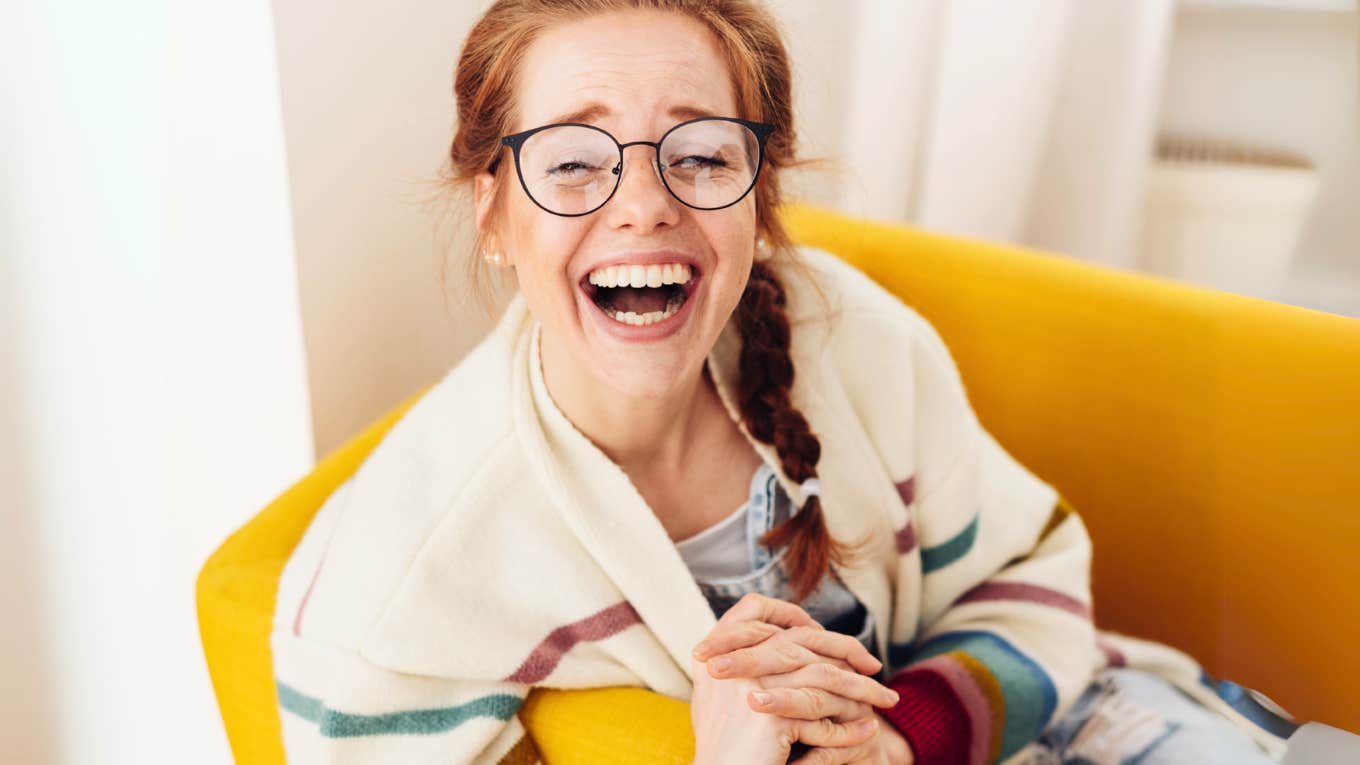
[638, 299]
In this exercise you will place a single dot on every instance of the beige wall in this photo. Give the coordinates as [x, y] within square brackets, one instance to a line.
[367, 114]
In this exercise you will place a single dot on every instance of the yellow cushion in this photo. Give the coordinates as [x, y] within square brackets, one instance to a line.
[1210, 441]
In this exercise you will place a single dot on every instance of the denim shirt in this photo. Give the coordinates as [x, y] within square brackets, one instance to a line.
[831, 604]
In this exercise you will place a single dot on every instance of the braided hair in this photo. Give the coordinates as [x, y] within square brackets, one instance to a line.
[770, 417]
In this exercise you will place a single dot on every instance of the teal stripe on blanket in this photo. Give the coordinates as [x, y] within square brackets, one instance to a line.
[941, 555]
[1029, 693]
[416, 722]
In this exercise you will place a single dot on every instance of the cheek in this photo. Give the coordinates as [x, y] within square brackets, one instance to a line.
[733, 238]
[543, 246]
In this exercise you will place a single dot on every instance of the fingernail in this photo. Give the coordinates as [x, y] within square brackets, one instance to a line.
[869, 723]
[896, 697]
[721, 665]
[762, 698]
[701, 649]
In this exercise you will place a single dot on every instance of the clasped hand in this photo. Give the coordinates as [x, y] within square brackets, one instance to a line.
[769, 675]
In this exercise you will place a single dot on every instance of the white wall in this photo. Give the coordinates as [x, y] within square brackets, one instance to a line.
[152, 388]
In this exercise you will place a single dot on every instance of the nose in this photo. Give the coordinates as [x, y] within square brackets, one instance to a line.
[641, 201]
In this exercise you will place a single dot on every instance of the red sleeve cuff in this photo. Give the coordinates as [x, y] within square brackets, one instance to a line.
[931, 717]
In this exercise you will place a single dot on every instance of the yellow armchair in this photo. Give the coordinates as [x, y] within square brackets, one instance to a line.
[1210, 441]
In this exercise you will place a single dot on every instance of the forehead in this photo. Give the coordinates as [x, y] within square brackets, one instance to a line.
[643, 69]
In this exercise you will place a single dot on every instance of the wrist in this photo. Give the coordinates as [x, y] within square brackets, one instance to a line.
[895, 745]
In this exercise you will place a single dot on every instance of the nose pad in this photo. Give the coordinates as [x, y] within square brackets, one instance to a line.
[657, 169]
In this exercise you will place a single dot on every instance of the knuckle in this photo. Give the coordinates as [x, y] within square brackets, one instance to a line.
[755, 631]
[814, 702]
[788, 650]
[835, 734]
[739, 659]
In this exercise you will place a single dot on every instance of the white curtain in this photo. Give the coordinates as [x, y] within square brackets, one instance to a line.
[1028, 121]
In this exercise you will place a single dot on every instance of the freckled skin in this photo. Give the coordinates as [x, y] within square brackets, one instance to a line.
[634, 399]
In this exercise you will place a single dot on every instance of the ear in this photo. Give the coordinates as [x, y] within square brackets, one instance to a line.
[483, 194]
[484, 200]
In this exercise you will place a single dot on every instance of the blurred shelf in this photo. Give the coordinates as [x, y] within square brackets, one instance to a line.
[1274, 5]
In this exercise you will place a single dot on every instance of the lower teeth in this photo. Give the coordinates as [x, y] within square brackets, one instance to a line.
[651, 317]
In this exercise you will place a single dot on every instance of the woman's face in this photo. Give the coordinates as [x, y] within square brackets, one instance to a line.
[635, 74]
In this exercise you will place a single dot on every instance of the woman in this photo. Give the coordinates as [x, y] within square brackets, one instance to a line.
[892, 586]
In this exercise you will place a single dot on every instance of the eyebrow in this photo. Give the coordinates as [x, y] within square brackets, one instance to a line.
[595, 110]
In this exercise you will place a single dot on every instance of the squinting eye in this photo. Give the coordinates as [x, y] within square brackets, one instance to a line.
[567, 168]
[694, 162]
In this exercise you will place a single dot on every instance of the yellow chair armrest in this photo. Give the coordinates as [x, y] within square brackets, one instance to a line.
[608, 726]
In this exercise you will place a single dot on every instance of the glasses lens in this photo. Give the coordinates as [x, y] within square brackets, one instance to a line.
[710, 163]
[568, 169]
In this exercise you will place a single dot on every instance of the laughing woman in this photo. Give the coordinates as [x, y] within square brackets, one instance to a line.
[695, 459]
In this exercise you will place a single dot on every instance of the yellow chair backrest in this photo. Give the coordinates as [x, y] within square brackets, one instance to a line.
[1210, 441]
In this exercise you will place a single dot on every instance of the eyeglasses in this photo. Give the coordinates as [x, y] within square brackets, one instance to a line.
[572, 169]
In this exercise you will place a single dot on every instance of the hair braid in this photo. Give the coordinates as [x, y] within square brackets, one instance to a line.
[769, 415]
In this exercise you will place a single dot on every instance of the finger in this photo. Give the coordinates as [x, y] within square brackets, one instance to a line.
[825, 733]
[774, 656]
[842, 682]
[730, 637]
[721, 671]
[807, 704]
[837, 646]
[835, 755]
[765, 657]
[754, 605]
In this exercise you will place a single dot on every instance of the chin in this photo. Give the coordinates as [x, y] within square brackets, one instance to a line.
[646, 382]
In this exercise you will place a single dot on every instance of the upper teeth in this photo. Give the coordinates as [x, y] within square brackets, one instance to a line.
[654, 275]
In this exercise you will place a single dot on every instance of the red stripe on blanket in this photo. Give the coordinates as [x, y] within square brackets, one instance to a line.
[906, 536]
[1028, 592]
[546, 655]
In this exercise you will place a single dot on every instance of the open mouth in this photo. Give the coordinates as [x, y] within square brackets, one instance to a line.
[640, 306]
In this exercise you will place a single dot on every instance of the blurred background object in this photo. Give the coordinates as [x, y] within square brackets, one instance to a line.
[221, 240]
[1225, 215]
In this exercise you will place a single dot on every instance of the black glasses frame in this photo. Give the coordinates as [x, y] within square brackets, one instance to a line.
[515, 141]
